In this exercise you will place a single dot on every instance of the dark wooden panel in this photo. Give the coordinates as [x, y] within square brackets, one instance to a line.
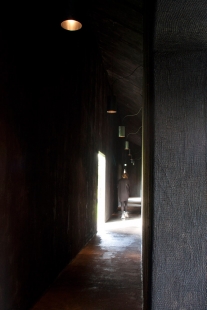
[53, 123]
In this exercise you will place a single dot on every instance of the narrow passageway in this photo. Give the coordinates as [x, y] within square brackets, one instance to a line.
[105, 275]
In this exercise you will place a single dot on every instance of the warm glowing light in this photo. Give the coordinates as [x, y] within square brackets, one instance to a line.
[111, 111]
[71, 25]
[111, 104]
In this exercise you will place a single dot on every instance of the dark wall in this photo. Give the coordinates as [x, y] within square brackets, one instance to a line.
[134, 171]
[175, 197]
[179, 255]
[53, 122]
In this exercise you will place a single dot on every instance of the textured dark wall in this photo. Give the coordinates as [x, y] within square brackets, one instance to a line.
[179, 226]
[53, 122]
[176, 107]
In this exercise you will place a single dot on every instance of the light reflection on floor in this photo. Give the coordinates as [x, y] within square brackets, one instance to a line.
[105, 274]
[131, 225]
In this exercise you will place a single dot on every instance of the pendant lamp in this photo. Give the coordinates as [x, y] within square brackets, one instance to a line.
[126, 146]
[122, 128]
[70, 19]
[127, 142]
[111, 104]
[71, 24]
[121, 131]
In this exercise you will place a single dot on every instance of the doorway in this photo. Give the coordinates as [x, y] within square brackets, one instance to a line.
[101, 191]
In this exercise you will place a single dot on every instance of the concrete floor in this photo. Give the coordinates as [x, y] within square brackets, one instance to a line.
[105, 275]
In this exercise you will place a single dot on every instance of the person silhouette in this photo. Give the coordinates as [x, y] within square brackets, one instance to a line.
[123, 194]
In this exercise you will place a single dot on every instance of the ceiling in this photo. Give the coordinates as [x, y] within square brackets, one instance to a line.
[119, 30]
[118, 27]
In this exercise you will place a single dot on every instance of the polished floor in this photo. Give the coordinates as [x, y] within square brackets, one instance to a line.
[105, 275]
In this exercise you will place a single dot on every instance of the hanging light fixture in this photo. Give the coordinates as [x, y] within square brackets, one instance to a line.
[122, 128]
[121, 131]
[132, 161]
[131, 133]
[126, 145]
[111, 104]
[70, 20]
[71, 24]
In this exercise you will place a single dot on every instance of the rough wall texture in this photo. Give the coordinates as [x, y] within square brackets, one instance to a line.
[180, 184]
[178, 199]
[52, 125]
